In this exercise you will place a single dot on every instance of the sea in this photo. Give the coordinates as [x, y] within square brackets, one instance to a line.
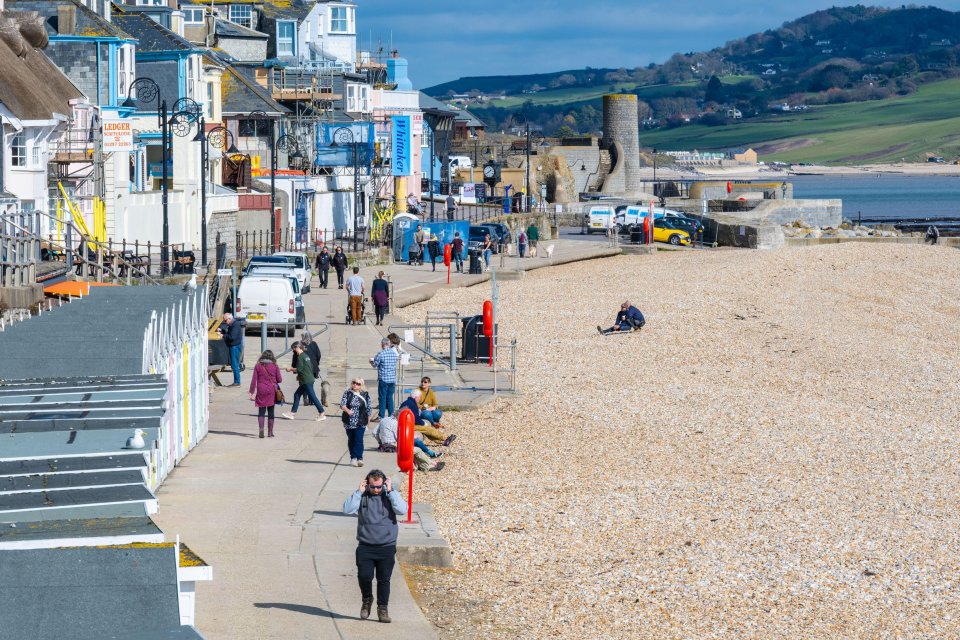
[885, 196]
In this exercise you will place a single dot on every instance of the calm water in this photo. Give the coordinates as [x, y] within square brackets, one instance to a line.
[887, 196]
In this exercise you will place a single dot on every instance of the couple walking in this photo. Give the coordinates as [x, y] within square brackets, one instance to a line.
[265, 383]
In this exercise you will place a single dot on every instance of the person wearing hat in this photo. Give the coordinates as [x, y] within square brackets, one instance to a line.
[434, 248]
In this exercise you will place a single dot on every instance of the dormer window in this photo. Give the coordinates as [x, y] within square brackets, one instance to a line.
[242, 14]
[341, 20]
[286, 38]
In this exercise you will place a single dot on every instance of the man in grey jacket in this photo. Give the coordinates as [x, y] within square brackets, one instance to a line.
[377, 506]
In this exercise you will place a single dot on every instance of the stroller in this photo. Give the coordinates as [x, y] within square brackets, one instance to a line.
[363, 311]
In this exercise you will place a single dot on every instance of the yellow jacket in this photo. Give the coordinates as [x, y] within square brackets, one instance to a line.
[428, 399]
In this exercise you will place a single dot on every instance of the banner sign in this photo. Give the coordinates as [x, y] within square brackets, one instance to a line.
[117, 135]
[402, 146]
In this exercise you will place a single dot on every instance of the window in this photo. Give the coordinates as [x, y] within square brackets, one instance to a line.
[341, 19]
[242, 14]
[35, 155]
[285, 38]
[358, 98]
[254, 128]
[192, 15]
[125, 70]
[151, 3]
[18, 150]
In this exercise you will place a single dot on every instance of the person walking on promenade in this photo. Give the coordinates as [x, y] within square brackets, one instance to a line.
[263, 389]
[355, 405]
[429, 410]
[306, 379]
[323, 267]
[313, 352]
[522, 243]
[355, 290]
[457, 250]
[451, 207]
[533, 236]
[377, 506]
[487, 249]
[380, 292]
[433, 248]
[413, 403]
[419, 240]
[232, 332]
[339, 262]
[386, 363]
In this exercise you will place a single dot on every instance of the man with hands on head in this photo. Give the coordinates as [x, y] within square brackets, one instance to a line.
[377, 506]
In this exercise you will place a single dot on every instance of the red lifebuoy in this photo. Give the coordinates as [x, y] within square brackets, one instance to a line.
[487, 318]
[405, 424]
[447, 252]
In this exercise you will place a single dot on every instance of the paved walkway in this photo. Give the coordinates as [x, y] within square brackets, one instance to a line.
[266, 513]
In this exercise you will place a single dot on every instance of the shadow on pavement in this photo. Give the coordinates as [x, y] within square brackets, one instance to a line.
[302, 608]
[324, 512]
[233, 433]
[333, 462]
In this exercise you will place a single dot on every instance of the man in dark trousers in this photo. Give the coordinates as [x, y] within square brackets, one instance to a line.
[629, 319]
[339, 262]
[377, 506]
[451, 207]
[457, 251]
[323, 267]
[232, 332]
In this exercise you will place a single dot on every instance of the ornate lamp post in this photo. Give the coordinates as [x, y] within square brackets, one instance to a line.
[217, 136]
[185, 112]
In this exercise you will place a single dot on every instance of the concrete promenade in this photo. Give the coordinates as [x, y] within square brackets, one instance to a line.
[266, 513]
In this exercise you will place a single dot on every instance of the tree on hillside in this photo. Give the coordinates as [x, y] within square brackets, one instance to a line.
[714, 90]
[907, 65]
[564, 80]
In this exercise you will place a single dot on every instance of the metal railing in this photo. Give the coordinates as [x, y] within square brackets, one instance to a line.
[498, 368]
[450, 331]
[289, 329]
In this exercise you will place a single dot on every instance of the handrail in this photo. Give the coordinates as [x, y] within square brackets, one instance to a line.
[450, 362]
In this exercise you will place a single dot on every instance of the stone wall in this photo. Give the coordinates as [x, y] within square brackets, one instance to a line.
[621, 130]
[815, 213]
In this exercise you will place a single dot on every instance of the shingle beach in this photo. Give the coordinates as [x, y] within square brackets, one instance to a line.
[775, 455]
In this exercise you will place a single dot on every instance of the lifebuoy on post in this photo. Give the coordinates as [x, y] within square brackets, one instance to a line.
[488, 318]
[447, 253]
[405, 424]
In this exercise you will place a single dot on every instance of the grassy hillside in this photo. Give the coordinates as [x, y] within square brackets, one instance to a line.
[926, 122]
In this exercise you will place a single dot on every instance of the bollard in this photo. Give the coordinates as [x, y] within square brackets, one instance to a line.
[264, 327]
[453, 346]
[405, 424]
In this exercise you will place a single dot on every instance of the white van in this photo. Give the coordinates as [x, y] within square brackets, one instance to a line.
[634, 214]
[271, 299]
[599, 219]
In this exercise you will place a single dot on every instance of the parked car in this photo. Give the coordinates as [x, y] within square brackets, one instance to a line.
[495, 236]
[302, 263]
[271, 299]
[691, 225]
[664, 231]
[503, 232]
[477, 235]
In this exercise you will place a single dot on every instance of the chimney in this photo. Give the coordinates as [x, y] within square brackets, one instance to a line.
[66, 19]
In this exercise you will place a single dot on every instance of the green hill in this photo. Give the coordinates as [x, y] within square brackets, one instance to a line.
[844, 63]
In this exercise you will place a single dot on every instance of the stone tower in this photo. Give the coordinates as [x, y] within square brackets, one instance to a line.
[621, 137]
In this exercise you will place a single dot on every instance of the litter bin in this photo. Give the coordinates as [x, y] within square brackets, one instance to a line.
[475, 265]
[476, 346]
[636, 234]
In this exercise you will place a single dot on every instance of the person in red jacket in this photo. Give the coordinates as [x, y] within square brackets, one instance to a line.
[263, 388]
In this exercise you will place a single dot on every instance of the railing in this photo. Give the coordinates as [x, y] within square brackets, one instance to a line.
[288, 329]
[448, 333]
[19, 248]
[499, 368]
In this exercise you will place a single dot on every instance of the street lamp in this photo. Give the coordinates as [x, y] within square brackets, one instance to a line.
[185, 112]
[344, 136]
[217, 136]
[655, 171]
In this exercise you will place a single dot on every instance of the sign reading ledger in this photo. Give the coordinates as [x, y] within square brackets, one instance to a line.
[117, 135]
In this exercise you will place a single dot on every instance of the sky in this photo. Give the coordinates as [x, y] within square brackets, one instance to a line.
[446, 40]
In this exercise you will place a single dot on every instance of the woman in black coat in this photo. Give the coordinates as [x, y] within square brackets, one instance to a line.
[339, 263]
[433, 248]
[380, 291]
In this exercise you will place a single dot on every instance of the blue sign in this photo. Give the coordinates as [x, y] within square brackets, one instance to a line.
[402, 146]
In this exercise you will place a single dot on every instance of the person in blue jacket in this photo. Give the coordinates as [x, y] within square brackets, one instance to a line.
[629, 319]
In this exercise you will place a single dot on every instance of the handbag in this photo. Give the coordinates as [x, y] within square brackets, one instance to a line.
[278, 397]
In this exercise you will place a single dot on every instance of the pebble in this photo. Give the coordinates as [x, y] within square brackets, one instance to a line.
[774, 455]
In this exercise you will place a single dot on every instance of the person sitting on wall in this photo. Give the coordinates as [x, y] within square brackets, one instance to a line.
[629, 319]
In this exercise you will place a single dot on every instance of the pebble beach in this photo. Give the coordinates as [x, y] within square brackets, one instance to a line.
[775, 454]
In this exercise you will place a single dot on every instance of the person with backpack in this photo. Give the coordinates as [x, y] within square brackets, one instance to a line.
[355, 406]
[522, 244]
[377, 505]
[263, 389]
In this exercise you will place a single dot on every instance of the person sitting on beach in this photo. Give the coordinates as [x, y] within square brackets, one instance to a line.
[420, 426]
[629, 319]
[424, 457]
[429, 408]
[386, 434]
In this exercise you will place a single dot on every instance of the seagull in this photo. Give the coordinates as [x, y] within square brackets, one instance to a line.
[191, 284]
[136, 440]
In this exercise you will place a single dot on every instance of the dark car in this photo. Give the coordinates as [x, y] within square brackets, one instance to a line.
[477, 234]
[496, 229]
